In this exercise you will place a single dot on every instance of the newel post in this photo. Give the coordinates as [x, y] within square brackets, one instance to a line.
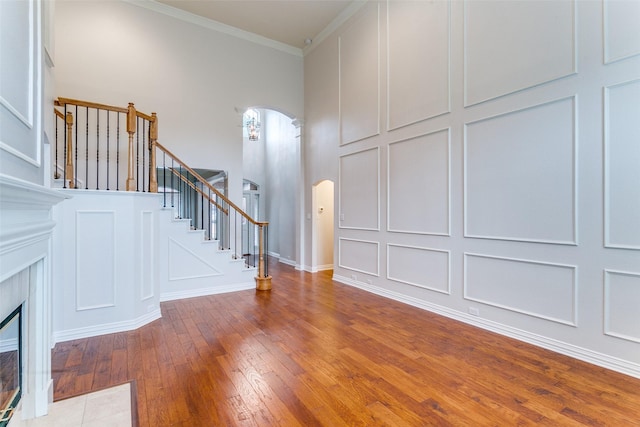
[153, 137]
[263, 280]
[68, 168]
[131, 129]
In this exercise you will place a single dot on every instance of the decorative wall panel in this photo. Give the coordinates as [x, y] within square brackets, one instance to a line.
[19, 68]
[422, 267]
[186, 264]
[147, 254]
[359, 82]
[418, 61]
[520, 175]
[621, 38]
[360, 190]
[621, 303]
[95, 264]
[514, 45]
[543, 290]
[622, 165]
[419, 184]
[359, 255]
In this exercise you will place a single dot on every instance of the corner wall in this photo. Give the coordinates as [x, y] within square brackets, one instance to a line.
[484, 154]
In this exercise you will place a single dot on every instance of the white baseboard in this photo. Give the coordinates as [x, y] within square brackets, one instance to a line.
[315, 269]
[290, 262]
[192, 293]
[10, 344]
[107, 328]
[590, 356]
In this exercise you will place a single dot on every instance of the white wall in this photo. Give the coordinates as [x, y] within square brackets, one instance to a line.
[280, 157]
[114, 52]
[486, 165]
[113, 285]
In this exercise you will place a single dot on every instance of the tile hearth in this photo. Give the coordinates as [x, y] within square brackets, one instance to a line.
[105, 408]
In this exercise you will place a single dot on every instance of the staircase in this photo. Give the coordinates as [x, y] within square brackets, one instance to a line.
[141, 225]
[196, 265]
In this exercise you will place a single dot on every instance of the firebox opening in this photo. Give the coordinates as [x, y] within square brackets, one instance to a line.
[10, 364]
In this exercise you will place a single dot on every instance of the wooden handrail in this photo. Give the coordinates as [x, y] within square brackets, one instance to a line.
[58, 113]
[145, 116]
[212, 188]
[193, 186]
[61, 102]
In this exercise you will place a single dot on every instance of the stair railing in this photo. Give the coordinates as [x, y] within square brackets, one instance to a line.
[93, 135]
[222, 220]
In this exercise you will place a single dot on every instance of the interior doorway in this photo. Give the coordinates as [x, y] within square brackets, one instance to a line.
[322, 206]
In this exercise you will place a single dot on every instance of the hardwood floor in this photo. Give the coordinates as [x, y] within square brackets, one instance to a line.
[314, 352]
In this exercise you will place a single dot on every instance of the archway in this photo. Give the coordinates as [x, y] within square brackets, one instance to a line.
[271, 160]
[322, 207]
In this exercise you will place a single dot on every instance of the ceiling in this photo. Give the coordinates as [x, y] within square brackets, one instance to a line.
[290, 21]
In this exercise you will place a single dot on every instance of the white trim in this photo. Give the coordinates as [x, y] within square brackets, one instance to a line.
[607, 305]
[170, 296]
[606, 58]
[287, 261]
[214, 273]
[343, 17]
[447, 292]
[107, 328]
[465, 172]
[586, 355]
[573, 72]
[214, 25]
[448, 110]
[341, 265]
[430, 233]
[340, 213]
[607, 166]
[574, 303]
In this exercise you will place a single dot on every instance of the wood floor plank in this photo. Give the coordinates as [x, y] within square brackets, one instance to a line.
[313, 352]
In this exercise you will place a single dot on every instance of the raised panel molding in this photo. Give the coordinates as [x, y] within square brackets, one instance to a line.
[418, 61]
[20, 70]
[622, 165]
[539, 289]
[433, 272]
[520, 175]
[185, 264]
[17, 95]
[620, 22]
[359, 190]
[359, 255]
[505, 50]
[95, 264]
[147, 266]
[419, 184]
[621, 302]
[359, 77]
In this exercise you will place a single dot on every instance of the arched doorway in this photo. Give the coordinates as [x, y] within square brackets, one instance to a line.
[271, 162]
[322, 205]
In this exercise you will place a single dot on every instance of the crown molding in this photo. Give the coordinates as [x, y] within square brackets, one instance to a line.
[351, 10]
[214, 25]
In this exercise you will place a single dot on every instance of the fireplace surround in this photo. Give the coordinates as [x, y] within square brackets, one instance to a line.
[26, 231]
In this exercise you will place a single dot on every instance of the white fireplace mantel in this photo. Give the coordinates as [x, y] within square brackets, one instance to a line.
[26, 227]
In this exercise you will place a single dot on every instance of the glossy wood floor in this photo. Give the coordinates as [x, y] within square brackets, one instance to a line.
[315, 352]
